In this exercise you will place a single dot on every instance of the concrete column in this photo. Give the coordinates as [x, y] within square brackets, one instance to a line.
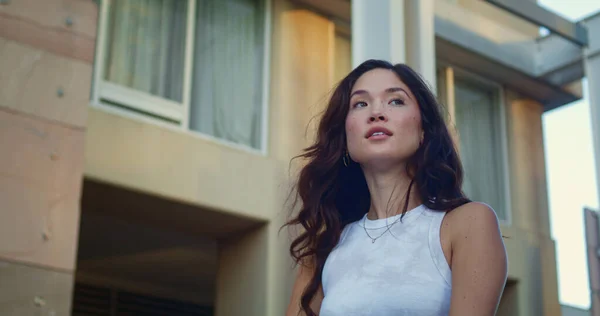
[397, 31]
[302, 66]
[303, 50]
[592, 72]
[420, 39]
[531, 251]
[378, 31]
[242, 275]
[592, 237]
[45, 79]
[529, 206]
[303, 44]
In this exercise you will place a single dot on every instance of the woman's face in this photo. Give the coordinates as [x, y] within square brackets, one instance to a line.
[383, 126]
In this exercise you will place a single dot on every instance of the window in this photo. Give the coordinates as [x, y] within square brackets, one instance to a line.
[197, 64]
[477, 112]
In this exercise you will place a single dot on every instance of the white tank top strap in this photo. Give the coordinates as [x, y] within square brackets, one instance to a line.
[435, 245]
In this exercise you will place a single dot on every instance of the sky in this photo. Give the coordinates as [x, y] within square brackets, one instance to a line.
[571, 175]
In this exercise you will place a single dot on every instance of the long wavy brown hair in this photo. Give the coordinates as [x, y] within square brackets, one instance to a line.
[332, 195]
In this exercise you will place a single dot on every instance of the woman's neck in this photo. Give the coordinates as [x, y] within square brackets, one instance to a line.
[388, 191]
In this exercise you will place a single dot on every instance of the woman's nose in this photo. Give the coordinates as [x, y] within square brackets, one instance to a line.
[377, 118]
[378, 114]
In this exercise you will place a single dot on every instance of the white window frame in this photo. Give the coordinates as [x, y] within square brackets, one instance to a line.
[135, 104]
[449, 73]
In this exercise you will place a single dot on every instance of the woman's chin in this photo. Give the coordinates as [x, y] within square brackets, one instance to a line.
[383, 162]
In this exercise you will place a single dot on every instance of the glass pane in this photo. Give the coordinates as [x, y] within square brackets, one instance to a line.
[228, 61]
[478, 122]
[146, 45]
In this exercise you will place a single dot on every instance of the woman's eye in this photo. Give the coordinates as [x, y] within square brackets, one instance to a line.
[359, 104]
[397, 102]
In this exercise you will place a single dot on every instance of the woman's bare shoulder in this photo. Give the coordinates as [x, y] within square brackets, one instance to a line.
[473, 215]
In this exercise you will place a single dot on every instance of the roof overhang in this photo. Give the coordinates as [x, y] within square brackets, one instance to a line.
[530, 11]
[565, 62]
[548, 69]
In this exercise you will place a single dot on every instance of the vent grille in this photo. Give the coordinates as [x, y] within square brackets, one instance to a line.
[91, 301]
[100, 301]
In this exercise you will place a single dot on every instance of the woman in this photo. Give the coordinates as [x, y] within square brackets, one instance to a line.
[386, 228]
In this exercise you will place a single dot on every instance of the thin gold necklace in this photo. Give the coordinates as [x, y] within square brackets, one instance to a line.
[388, 228]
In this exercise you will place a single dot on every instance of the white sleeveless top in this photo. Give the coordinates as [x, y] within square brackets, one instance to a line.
[402, 273]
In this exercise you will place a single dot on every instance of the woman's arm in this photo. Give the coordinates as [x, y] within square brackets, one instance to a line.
[479, 261]
[305, 273]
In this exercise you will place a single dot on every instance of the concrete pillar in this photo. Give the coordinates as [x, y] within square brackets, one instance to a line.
[242, 275]
[378, 31]
[420, 39]
[592, 72]
[529, 200]
[256, 274]
[303, 60]
[531, 250]
[303, 65]
[397, 31]
[45, 78]
[592, 237]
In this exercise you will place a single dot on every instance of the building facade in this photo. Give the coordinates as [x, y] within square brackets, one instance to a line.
[148, 143]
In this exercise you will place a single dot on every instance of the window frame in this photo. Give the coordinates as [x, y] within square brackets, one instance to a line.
[143, 106]
[446, 87]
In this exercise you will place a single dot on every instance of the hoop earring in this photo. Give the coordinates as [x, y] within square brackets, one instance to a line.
[346, 159]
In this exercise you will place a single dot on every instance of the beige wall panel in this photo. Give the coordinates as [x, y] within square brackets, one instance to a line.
[532, 265]
[39, 189]
[550, 277]
[514, 242]
[534, 260]
[303, 75]
[343, 56]
[518, 242]
[30, 81]
[44, 25]
[527, 166]
[303, 50]
[524, 263]
[509, 303]
[180, 165]
[242, 275]
[52, 14]
[31, 291]
[282, 275]
[44, 154]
